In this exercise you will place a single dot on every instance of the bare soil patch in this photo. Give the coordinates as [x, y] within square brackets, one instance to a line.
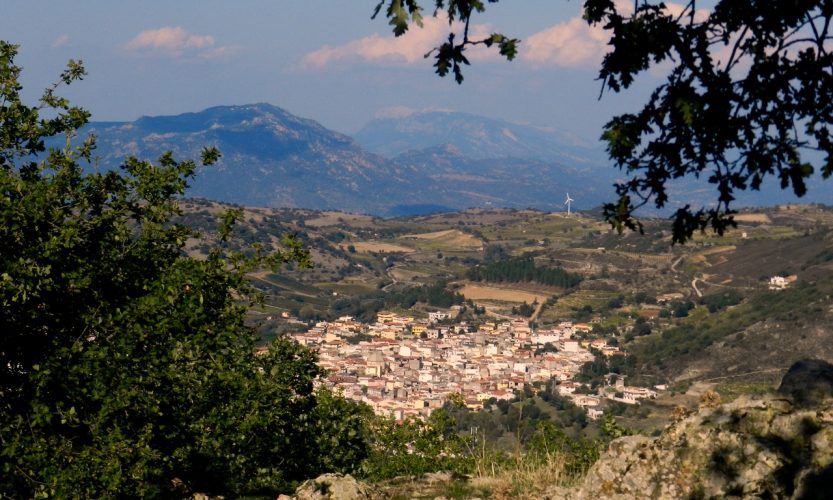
[754, 218]
[487, 292]
[450, 238]
[337, 218]
[380, 247]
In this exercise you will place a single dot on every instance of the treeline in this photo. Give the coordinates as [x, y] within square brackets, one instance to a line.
[364, 308]
[435, 295]
[523, 270]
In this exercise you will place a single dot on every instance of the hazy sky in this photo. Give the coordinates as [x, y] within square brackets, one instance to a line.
[321, 59]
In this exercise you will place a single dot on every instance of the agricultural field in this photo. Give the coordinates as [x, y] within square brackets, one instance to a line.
[479, 292]
[380, 247]
[449, 240]
[622, 278]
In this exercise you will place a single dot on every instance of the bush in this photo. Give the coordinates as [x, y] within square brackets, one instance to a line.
[126, 368]
[416, 447]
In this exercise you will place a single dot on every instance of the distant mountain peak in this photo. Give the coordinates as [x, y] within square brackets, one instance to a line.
[272, 157]
[474, 136]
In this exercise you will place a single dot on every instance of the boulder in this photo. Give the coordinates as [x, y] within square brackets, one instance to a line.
[808, 382]
[333, 487]
[778, 445]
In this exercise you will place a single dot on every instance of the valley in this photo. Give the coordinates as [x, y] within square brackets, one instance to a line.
[686, 317]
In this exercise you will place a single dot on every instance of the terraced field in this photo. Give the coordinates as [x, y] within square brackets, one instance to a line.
[449, 240]
[501, 294]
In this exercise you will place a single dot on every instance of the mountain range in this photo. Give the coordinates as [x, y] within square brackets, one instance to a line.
[418, 163]
[274, 158]
[476, 137]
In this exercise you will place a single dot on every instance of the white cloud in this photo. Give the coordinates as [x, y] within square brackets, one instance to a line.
[574, 43]
[60, 41]
[571, 43]
[174, 41]
[407, 49]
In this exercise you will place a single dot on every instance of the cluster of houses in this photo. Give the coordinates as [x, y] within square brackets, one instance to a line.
[781, 282]
[405, 367]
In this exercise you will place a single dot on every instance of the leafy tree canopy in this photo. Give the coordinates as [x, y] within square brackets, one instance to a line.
[126, 368]
[748, 95]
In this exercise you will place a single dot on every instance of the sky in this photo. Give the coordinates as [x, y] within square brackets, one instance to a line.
[320, 59]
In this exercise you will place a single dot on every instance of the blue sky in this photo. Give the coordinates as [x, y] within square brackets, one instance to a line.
[321, 59]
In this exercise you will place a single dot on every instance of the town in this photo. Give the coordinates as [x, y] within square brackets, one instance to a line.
[403, 367]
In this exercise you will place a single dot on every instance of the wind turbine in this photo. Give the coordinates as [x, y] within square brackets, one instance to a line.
[568, 202]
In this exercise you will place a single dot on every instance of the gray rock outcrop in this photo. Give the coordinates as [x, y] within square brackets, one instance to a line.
[774, 446]
[333, 487]
[808, 382]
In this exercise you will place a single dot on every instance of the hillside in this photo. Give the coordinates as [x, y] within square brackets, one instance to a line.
[476, 137]
[507, 181]
[433, 162]
[362, 263]
[270, 158]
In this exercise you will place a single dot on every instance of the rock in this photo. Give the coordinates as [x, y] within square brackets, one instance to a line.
[750, 448]
[710, 399]
[436, 477]
[808, 382]
[333, 487]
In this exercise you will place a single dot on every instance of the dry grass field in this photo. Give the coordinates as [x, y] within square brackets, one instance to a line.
[484, 292]
[753, 218]
[336, 218]
[450, 239]
[380, 247]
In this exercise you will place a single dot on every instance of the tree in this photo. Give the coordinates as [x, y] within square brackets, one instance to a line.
[126, 368]
[747, 97]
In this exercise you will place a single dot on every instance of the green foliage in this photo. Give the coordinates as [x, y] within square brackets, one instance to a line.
[126, 368]
[436, 295]
[415, 447]
[365, 307]
[548, 440]
[524, 309]
[659, 353]
[594, 372]
[718, 301]
[450, 56]
[611, 428]
[680, 308]
[523, 269]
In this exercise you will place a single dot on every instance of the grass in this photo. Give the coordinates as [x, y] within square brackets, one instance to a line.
[450, 240]
[522, 475]
[730, 391]
[556, 228]
[288, 283]
[566, 306]
[519, 476]
[347, 288]
[380, 247]
[500, 294]
[697, 332]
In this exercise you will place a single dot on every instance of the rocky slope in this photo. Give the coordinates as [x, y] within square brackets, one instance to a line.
[270, 158]
[476, 137]
[776, 446]
[507, 182]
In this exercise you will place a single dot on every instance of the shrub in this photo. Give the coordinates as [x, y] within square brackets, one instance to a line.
[126, 368]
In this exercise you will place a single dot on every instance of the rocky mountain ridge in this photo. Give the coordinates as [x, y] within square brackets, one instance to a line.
[477, 137]
[272, 158]
[422, 163]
